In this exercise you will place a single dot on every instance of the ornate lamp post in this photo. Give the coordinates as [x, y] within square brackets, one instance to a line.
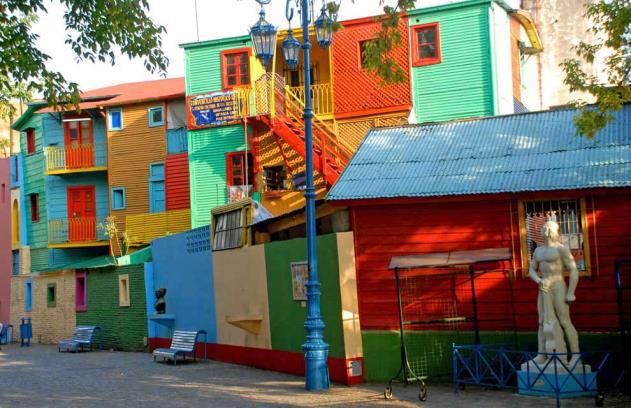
[315, 349]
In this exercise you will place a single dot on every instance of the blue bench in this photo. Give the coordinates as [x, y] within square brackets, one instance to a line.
[83, 337]
[183, 343]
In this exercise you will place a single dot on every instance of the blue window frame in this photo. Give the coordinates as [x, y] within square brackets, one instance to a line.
[156, 116]
[115, 119]
[176, 141]
[28, 295]
[119, 199]
[157, 195]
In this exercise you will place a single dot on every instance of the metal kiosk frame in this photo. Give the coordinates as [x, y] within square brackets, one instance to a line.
[454, 259]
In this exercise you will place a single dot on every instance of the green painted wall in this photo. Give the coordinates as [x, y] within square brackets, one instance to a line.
[203, 64]
[34, 183]
[461, 84]
[430, 351]
[207, 150]
[287, 316]
[123, 327]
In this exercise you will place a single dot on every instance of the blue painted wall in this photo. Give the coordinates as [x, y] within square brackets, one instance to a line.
[182, 263]
[56, 191]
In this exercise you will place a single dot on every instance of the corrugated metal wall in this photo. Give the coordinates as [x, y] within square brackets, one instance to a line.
[391, 230]
[131, 151]
[177, 182]
[203, 65]
[357, 90]
[207, 166]
[37, 232]
[461, 85]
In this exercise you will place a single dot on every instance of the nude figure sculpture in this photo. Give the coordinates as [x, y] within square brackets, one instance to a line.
[553, 303]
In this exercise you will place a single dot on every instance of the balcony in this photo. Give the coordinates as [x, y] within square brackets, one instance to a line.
[321, 97]
[76, 159]
[144, 228]
[76, 232]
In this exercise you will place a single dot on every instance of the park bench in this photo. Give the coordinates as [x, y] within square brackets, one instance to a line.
[183, 343]
[83, 337]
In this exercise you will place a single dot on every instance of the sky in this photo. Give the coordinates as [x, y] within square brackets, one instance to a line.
[217, 19]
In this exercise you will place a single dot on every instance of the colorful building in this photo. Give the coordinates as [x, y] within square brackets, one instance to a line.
[6, 255]
[79, 207]
[246, 135]
[479, 184]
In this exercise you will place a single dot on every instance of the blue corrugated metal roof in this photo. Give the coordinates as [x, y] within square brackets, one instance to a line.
[538, 151]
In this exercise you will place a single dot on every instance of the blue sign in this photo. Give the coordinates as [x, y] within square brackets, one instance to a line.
[217, 108]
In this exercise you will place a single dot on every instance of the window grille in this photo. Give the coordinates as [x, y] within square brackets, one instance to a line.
[568, 214]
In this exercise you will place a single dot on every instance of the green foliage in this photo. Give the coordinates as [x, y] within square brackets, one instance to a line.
[612, 35]
[93, 30]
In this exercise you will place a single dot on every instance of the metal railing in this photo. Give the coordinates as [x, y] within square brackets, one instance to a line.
[75, 157]
[75, 230]
[321, 97]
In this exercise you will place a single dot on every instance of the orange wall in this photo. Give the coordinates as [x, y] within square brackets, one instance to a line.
[357, 91]
[131, 150]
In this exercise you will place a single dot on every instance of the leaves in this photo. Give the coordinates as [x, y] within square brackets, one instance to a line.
[611, 29]
[94, 29]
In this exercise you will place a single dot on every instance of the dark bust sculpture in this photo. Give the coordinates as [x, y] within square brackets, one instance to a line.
[161, 304]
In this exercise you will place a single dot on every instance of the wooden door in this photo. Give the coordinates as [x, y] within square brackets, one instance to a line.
[81, 214]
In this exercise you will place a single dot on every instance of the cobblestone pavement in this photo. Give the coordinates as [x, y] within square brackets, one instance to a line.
[39, 376]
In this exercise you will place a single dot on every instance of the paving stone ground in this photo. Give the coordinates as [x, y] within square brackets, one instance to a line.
[39, 376]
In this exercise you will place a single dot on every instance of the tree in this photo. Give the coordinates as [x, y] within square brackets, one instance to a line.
[612, 34]
[94, 29]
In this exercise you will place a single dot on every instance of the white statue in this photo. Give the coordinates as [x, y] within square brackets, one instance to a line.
[553, 303]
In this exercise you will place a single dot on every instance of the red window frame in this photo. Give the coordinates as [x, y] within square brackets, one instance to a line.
[34, 201]
[30, 141]
[417, 61]
[224, 68]
[230, 171]
[82, 138]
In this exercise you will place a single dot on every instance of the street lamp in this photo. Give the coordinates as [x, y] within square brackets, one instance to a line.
[315, 349]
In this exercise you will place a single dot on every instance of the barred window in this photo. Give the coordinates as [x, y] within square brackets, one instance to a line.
[569, 214]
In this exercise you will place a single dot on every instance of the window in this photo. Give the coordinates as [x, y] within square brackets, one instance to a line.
[157, 195]
[426, 44]
[156, 116]
[176, 141]
[16, 262]
[118, 198]
[275, 178]
[4, 192]
[229, 229]
[569, 214]
[81, 294]
[30, 141]
[236, 169]
[78, 132]
[51, 295]
[123, 290]
[115, 119]
[34, 201]
[363, 46]
[28, 295]
[235, 68]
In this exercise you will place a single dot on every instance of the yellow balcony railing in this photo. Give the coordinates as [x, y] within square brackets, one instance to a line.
[321, 97]
[82, 157]
[144, 228]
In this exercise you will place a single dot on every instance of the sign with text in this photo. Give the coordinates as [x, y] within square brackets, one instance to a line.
[213, 109]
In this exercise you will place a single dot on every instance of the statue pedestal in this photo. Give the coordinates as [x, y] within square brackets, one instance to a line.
[532, 379]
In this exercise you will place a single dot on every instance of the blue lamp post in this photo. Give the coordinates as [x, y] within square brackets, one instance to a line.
[315, 349]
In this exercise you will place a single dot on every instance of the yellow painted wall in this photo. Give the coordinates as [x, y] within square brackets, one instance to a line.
[130, 152]
[352, 131]
[348, 290]
[50, 324]
[15, 218]
[241, 282]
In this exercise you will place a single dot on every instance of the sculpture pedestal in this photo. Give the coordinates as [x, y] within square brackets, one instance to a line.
[532, 379]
